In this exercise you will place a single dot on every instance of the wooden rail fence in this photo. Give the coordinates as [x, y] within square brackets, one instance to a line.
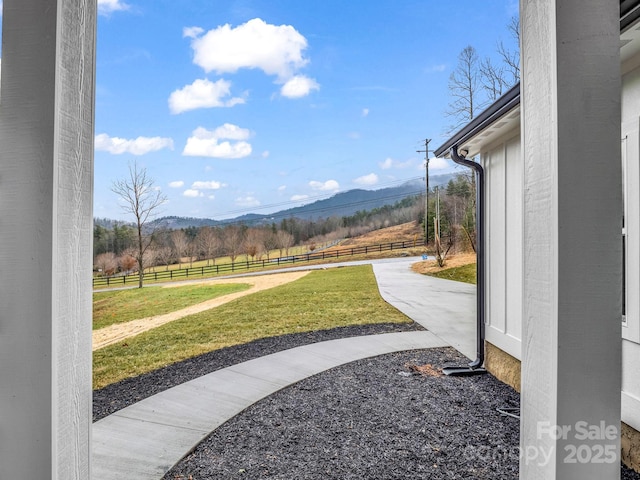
[213, 270]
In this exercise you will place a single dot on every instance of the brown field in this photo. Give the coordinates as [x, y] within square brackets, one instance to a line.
[457, 260]
[407, 232]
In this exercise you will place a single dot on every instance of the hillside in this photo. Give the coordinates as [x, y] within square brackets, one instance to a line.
[341, 204]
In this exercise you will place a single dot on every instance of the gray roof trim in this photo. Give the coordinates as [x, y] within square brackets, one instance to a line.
[500, 107]
[629, 13]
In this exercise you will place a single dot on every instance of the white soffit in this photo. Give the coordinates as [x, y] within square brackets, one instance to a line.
[630, 47]
[494, 132]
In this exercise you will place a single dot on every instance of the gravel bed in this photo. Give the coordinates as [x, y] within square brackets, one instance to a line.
[372, 419]
[119, 395]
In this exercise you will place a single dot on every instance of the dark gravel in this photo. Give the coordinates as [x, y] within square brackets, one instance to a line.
[116, 396]
[365, 420]
[371, 419]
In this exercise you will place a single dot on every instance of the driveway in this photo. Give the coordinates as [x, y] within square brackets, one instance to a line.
[444, 307]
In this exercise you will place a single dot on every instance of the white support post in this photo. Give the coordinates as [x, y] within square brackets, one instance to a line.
[572, 239]
[46, 189]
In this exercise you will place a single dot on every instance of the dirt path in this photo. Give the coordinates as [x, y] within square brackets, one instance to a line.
[121, 331]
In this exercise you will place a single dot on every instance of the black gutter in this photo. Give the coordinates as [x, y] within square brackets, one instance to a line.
[629, 13]
[500, 107]
[475, 367]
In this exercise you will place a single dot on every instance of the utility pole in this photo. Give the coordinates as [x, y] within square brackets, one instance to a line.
[426, 196]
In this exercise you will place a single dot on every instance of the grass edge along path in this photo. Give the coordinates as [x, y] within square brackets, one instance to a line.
[464, 273]
[111, 307]
[321, 300]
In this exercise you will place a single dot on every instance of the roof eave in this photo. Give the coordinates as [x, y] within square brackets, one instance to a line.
[496, 110]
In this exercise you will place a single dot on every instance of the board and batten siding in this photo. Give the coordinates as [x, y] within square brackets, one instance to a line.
[503, 181]
[630, 138]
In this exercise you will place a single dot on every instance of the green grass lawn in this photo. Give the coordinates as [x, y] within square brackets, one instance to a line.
[322, 299]
[120, 306]
[465, 273]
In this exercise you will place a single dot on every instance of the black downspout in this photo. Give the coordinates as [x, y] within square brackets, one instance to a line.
[475, 367]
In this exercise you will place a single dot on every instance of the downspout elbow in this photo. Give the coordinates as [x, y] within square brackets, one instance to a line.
[480, 255]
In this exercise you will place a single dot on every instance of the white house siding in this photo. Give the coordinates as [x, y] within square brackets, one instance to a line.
[503, 181]
[631, 328]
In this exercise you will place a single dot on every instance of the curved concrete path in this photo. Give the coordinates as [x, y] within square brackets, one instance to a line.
[144, 440]
[444, 307]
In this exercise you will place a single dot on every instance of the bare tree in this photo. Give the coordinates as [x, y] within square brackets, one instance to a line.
[208, 242]
[107, 263]
[232, 236]
[180, 244]
[142, 200]
[270, 242]
[164, 255]
[497, 78]
[254, 243]
[127, 261]
[511, 58]
[464, 86]
[285, 241]
[493, 79]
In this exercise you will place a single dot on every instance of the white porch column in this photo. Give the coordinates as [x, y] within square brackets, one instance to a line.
[572, 239]
[46, 183]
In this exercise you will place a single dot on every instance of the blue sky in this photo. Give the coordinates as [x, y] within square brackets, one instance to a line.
[236, 106]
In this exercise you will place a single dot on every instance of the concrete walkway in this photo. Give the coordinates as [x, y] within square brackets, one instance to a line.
[144, 440]
[444, 307]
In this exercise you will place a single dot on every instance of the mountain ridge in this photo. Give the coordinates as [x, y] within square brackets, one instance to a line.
[341, 204]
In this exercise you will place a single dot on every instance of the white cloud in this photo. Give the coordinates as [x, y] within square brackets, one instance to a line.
[231, 132]
[192, 32]
[192, 193]
[203, 93]
[436, 163]
[438, 68]
[386, 164]
[176, 184]
[206, 143]
[365, 112]
[298, 87]
[247, 201]
[207, 185]
[137, 146]
[105, 7]
[196, 189]
[276, 50]
[265, 154]
[329, 185]
[282, 188]
[368, 180]
[299, 198]
[391, 163]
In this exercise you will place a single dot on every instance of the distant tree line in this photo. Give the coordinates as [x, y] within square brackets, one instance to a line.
[115, 245]
[115, 248]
